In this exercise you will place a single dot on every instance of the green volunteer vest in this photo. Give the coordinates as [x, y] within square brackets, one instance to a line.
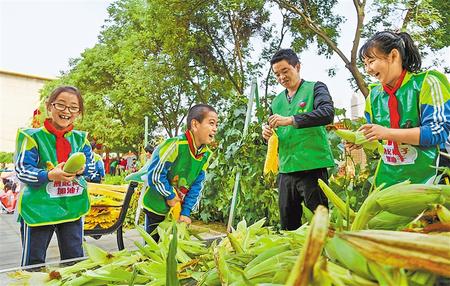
[301, 149]
[183, 172]
[54, 202]
[417, 161]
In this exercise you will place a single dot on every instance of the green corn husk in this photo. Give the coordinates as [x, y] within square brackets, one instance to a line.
[358, 138]
[387, 221]
[402, 199]
[347, 277]
[403, 249]
[421, 278]
[302, 271]
[171, 274]
[307, 213]
[443, 213]
[337, 201]
[235, 243]
[340, 250]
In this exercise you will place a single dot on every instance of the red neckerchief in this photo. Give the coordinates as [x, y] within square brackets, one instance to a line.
[393, 110]
[190, 139]
[63, 147]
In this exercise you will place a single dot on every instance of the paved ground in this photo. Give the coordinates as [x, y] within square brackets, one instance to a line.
[11, 250]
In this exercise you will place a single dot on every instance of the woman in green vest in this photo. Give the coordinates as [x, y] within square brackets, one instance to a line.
[408, 110]
[177, 169]
[53, 200]
[300, 113]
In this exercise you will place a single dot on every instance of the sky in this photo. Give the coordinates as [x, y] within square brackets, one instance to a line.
[39, 37]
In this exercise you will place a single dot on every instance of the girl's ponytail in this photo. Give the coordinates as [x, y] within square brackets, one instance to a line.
[386, 41]
[411, 56]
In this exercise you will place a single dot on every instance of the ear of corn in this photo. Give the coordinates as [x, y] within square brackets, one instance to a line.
[301, 273]
[387, 221]
[75, 163]
[443, 213]
[403, 249]
[175, 211]
[349, 278]
[392, 199]
[271, 163]
[340, 250]
[358, 138]
[337, 201]
[49, 165]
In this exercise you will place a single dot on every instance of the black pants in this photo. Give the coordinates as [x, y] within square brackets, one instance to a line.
[35, 241]
[296, 187]
[152, 221]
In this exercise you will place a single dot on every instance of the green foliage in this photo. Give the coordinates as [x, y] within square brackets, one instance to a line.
[114, 180]
[157, 58]
[427, 21]
[6, 157]
[257, 196]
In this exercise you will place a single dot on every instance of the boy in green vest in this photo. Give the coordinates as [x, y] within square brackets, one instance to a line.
[178, 167]
[298, 116]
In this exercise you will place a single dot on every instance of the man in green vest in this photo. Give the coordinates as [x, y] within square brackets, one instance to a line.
[298, 116]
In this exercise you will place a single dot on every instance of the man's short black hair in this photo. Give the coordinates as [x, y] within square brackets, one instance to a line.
[198, 113]
[149, 148]
[285, 54]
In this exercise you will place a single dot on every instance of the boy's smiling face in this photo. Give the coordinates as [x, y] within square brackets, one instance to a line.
[205, 131]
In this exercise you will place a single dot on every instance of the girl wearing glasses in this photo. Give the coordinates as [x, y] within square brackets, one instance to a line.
[53, 200]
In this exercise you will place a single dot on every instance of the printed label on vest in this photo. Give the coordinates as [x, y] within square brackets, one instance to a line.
[64, 189]
[408, 155]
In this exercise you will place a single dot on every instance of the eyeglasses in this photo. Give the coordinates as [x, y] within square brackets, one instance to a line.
[62, 107]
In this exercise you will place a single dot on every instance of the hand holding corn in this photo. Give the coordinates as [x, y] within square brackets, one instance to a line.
[173, 202]
[185, 219]
[57, 174]
[375, 132]
[266, 131]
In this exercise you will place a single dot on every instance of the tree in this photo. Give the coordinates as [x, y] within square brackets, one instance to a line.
[316, 23]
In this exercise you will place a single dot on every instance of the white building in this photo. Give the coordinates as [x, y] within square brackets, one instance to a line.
[19, 97]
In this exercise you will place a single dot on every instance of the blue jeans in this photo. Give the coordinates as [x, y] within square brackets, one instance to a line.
[35, 241]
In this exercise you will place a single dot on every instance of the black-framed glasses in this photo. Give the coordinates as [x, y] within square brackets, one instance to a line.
[62, 107]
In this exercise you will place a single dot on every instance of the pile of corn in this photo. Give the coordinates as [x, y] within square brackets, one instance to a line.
[106, 204]
[322, 252]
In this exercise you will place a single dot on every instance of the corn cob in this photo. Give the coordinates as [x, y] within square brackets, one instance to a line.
[341, 251]
[49, 165]
[443, 213]
[393, 198]
[346, 276]
[387, 221]
[403, 249]
[271, 163]
[302, 271]
[358, 138]
[337, 201]
[75, 163]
